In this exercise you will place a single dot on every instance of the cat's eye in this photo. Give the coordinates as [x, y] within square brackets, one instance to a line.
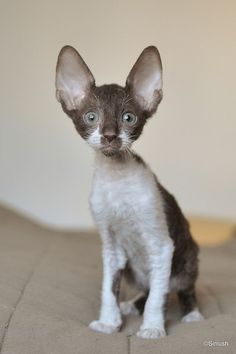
[129, 118]
[91, 118]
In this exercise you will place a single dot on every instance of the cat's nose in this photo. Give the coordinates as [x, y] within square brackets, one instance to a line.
[110, 136]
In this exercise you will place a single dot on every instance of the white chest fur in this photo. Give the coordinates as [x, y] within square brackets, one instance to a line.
[125, 199]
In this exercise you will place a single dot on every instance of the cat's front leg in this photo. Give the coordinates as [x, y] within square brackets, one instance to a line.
[153, 325]
[113, 264]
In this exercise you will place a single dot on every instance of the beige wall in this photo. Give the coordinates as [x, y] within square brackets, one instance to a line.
[46, 167]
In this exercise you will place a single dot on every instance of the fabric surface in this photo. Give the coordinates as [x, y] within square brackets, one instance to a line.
[50, 290]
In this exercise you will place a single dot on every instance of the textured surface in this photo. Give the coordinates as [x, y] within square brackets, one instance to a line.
[50, 290]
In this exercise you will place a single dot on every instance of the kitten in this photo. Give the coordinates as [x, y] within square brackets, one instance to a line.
[144, 233]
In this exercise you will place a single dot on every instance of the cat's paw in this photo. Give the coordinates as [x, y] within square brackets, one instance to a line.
[192, 316]
[151, 333]
[103, 327]
[128, 308]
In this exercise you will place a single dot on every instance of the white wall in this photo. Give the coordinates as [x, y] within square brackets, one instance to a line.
[46, 167]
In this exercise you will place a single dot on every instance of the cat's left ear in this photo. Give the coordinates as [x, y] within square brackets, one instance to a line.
[74, 80]
[145, 80]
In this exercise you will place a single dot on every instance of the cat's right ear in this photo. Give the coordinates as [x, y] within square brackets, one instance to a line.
[74, 80]
[144, 81]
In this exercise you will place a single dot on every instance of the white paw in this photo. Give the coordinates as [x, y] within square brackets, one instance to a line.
[151, 333]
[103, 327]
[193, 316]
[128, 308]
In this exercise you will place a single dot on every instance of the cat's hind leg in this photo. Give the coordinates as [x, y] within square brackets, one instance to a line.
[188, 303]
[134, 306]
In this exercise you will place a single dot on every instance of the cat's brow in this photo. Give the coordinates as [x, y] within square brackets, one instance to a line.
[126, 100]
[96, 97]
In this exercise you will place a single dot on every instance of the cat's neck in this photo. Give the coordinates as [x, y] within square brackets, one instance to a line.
[119, 160]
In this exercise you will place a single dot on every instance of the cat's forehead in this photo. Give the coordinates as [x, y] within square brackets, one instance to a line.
[110, 94]
[110, 101]
[113, 99]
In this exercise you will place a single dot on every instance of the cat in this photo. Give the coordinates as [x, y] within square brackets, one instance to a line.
[144, 234]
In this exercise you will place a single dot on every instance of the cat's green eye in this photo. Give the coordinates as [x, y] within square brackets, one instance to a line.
[91, 118]
[129, 118]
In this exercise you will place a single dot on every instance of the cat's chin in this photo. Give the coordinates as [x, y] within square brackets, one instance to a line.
[118, 155]
[109, 152]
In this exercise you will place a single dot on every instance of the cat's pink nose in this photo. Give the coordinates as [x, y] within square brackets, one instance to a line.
[110, 136]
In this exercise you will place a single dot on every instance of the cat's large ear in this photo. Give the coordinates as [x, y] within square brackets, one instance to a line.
[73, 78]
[145, 80]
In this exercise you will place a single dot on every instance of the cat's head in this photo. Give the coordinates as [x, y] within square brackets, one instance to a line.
[109, 117]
